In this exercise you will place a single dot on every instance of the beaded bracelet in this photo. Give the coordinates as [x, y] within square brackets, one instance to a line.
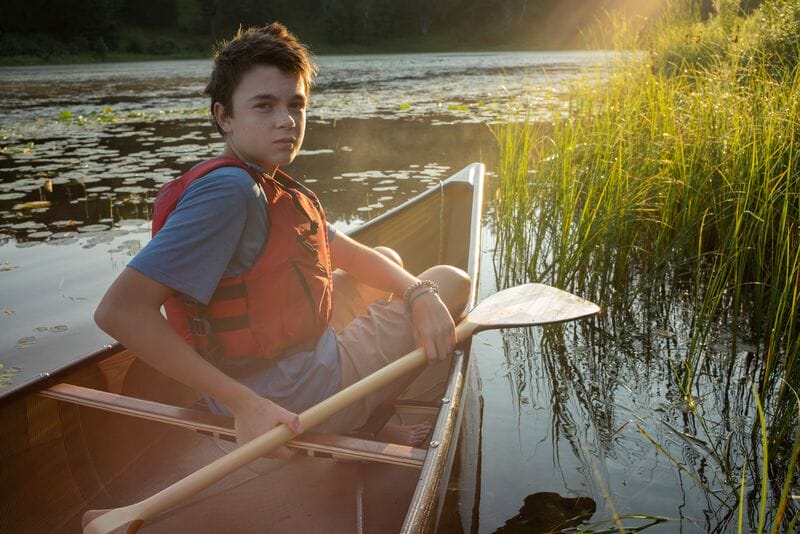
[417, 295]
[418, 285]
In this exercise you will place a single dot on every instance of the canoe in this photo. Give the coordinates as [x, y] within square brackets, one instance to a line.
[107, 430]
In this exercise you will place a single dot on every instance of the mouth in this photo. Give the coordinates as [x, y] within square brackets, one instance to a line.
[286, 142]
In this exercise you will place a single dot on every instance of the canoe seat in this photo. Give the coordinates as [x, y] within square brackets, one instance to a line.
[313, 443]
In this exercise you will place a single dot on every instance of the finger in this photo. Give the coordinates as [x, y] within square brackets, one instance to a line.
[290, 419]
[419, 339]
[441, 347]
[451, 340]
[431, 351]
[293, 422]
[447, 340]
[282, 453]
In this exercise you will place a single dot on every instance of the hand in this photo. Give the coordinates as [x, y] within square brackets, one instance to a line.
[259, 415]
[433, 327]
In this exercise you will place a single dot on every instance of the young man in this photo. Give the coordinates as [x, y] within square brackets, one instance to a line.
[242, 259]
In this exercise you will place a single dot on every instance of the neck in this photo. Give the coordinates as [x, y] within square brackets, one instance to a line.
[268, 168]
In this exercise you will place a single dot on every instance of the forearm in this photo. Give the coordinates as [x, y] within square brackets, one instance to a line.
[138, 324]
[166, 352]
[370, 267]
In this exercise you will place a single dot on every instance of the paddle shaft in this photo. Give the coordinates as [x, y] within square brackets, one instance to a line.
[262, 445]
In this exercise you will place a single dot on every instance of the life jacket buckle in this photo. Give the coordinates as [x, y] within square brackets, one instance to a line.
[199, 326]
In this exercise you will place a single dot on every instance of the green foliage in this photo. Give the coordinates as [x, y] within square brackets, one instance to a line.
[693, 48]
[108, 26]
[771, 41]
[150, 13]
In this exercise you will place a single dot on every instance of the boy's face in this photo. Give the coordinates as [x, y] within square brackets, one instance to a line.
[268, 119]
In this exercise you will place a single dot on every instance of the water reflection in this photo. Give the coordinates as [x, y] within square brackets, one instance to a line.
[602, 399]
[545, 512]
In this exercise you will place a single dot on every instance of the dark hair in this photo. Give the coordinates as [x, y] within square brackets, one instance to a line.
[271, 45]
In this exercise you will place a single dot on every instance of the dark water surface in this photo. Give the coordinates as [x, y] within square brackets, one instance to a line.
[83, 150]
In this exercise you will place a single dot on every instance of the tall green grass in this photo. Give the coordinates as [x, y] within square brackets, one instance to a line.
[682, 166]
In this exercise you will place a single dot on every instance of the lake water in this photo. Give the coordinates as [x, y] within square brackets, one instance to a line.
[83, 149]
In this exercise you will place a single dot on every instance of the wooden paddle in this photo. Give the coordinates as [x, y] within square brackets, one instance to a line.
[525, 305]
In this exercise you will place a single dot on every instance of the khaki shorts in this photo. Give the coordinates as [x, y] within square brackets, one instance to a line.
[369, 338]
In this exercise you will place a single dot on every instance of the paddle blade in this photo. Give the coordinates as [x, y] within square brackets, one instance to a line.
[529, 305]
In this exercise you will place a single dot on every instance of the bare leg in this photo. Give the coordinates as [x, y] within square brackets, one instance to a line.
[411, 435]
[384, 330]
[351, 298]
[454, 286]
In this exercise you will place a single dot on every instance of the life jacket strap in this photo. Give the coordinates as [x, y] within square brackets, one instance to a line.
[230, 292]
[199, 326]
[228, 324]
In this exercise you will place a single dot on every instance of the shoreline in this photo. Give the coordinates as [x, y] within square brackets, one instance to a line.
[349, 50]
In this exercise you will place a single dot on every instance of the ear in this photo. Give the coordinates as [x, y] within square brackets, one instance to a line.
[222, 117]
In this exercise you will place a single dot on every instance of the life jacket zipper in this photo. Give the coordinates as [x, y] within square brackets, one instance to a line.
[312, 251]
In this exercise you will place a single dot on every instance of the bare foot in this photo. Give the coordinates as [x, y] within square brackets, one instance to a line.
[411, 435]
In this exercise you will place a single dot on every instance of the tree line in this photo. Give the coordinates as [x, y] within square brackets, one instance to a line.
[52, 27]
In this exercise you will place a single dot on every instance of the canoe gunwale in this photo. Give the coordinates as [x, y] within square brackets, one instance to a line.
[428, 499]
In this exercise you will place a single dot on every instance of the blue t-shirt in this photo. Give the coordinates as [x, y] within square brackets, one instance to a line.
[217, 230]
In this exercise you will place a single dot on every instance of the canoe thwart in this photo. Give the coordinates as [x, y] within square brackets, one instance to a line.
[220, 426]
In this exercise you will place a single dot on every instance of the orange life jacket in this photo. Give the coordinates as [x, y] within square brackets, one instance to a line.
[284, 301]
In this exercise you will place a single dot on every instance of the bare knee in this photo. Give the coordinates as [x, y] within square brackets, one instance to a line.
[391, 254]
[454, 286]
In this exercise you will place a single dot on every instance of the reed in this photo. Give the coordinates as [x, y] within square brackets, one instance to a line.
[682, 166]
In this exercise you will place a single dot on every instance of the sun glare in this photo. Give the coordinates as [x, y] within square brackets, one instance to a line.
[568, 27]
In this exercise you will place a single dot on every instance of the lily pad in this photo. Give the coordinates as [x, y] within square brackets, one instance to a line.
[7, 375]
[25, 342]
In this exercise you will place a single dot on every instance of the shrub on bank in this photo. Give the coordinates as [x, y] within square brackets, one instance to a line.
[771, 41]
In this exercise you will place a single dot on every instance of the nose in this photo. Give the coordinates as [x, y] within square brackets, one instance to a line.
[285, 120]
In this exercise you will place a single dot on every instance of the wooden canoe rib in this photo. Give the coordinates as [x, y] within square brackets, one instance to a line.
[108, 430]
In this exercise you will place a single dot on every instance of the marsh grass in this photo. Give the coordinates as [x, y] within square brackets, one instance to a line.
[683, 167]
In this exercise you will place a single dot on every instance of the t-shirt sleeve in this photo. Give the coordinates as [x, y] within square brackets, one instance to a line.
[192, 251]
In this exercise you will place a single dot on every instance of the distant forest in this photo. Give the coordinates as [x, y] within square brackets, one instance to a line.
[49, 29]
